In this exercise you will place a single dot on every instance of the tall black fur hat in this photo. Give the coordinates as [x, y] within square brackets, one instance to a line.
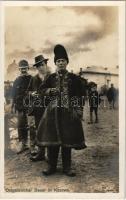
[60, 52]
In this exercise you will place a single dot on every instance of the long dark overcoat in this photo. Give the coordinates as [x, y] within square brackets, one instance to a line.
[61, 124]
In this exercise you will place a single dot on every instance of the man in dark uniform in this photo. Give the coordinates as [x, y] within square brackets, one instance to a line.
[61, 124]
[37, 111]
[19, 91]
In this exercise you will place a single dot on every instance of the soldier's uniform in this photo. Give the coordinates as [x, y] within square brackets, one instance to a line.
[19, 91]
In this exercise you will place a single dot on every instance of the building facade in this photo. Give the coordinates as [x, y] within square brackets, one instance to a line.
[100, 75]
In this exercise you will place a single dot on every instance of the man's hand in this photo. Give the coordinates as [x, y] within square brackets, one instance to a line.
[54, 91]
[34, 94]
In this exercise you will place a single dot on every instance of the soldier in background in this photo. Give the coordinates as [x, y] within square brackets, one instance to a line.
[37, 111]
[111, 95]
[19, 91]
[94, 101]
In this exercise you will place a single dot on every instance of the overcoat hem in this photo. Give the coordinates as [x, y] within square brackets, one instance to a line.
[76, 146]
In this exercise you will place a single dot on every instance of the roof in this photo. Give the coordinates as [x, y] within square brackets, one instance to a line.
[100, 70]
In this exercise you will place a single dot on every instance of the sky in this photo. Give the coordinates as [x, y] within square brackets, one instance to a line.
[89, 34]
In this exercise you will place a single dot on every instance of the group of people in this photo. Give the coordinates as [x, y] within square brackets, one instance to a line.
[95, 99]
[56, 111]
[50, 108]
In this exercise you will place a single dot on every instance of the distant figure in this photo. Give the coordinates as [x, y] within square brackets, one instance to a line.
[94, 101]
[104, 90]
[111, 95]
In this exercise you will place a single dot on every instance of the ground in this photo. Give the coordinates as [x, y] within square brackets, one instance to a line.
[97, 166]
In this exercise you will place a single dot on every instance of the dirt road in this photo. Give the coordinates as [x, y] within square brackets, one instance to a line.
[96, 166]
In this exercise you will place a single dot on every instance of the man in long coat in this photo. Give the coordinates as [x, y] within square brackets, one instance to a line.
[61, 124]
[37, 110]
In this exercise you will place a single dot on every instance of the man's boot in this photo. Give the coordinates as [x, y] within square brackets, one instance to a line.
[66, 160]
[40, 154]
[23, 140]
[52, 161]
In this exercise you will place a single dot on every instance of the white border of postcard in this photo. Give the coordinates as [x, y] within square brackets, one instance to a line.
[122, 165]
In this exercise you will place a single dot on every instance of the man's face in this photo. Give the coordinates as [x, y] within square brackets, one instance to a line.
[61, 64]
[42, 68]
[24, 70]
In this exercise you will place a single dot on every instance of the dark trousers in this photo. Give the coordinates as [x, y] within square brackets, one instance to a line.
[95, 110]
[22, 126]
[53, 152]
[33, 129]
